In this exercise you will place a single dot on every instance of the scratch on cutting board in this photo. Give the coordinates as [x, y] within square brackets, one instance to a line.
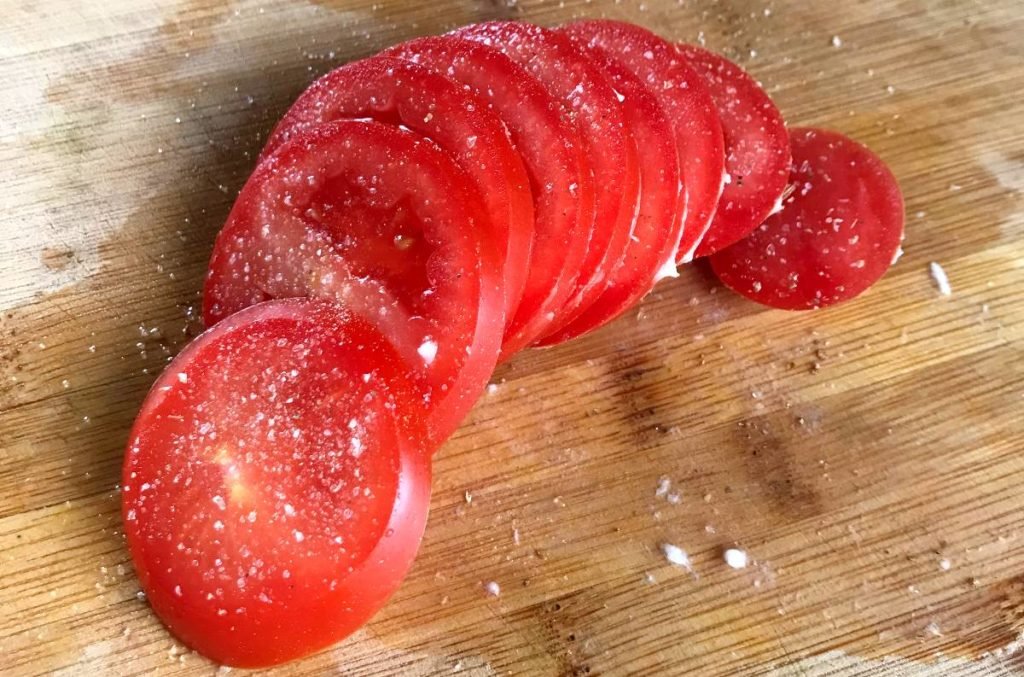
[835, 663]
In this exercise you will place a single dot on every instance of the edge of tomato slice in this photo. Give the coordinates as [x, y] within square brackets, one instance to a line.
[589, 99]
[836, 235]
[651, 249]
[400, 92]
[559, 178]
[682, 93]
[275, 488]
[757, 155]
[384, 222]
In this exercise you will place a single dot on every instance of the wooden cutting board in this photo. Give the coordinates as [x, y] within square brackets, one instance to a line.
[867, 457]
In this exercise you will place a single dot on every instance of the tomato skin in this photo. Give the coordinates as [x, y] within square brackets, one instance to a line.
[308, 222]
[250, 589]
[836, 235]
[400, 92]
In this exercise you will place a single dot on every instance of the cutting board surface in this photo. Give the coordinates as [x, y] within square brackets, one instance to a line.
[867, 457]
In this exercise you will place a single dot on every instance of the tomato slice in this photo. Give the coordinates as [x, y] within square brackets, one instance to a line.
[590, 100]
[383, 221]
[552, 152]
[271, 500]
[757, 156]
[688, 104]
[651, 250]
[400, 92]
[837, 233]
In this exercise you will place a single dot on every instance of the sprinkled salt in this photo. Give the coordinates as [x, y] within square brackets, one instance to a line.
[735, 558]
[677, 556]
[940, 278]
[492, 589]
[428, 350]
[299, 536]
[837, 41]
[945, 564]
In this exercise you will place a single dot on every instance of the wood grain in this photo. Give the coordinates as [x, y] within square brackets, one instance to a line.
[868, 457]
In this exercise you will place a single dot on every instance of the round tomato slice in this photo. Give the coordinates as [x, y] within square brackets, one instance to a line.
[837, 233]
[651, 250]
[552, 152]
[590, 100]
[688, 104]
[384, 222]
[757, 156]
[271, 499]
[403, 93]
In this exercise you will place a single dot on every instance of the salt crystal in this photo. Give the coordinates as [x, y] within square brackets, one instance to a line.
[940, 278]
[664, 484]
[837, 41]
[492, 588]
[299, 536]
[492, 388]
[428, 350]
[677, 556]
[735, 558]
[945, 564]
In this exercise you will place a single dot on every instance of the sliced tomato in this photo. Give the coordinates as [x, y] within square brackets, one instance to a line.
[837, 233]
[552, 152]
[651, 250]
[590, 100]
[384, 222]
[688, 104]
[757, 156]
[401, 92]
[272, 501]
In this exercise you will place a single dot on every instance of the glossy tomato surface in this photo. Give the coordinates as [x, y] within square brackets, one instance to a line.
[836, 235]
[687, 103]
[590, 101]
[553, 154]
[403, 93]
[384, 222]
[757, 156]
[275, 488]
[653, 242]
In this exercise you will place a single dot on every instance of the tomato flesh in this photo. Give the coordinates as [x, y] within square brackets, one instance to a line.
[836, 235]
[651, 249]
[757, 156]
[403, 93]
[552, 152]
[682, 93]
[272, 501]
[589, 99]
[384, 222]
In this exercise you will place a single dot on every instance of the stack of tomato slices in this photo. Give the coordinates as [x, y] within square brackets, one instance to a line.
[415, 218]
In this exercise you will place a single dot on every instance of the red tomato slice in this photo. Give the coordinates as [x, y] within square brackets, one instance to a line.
[590, 100]
[384, 222]
[651, 250]
[551, 149]
[757, 156]
[271, 503]
[400, 92]
[685, 97]
[836, 236]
